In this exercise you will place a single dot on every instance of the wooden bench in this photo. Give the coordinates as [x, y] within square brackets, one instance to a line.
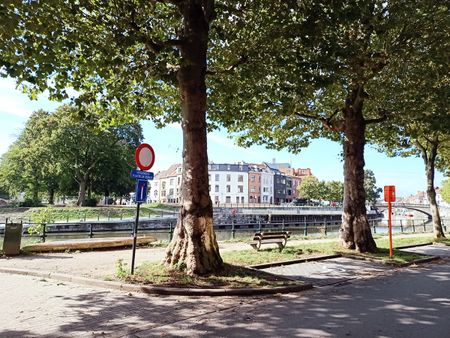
[270, 237]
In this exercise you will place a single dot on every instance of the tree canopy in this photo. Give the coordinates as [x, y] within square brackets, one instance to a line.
[54, 152]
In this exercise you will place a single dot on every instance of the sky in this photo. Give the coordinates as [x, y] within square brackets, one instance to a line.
[322, 156]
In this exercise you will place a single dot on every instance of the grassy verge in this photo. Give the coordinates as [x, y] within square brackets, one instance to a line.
[87, 213]
[231, 276]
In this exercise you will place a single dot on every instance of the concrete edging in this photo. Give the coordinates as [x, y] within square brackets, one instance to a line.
[156, 290]
[294, 261]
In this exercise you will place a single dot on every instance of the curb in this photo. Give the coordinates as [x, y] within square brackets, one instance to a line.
[412, 246]
[155, 290]
[294, 261]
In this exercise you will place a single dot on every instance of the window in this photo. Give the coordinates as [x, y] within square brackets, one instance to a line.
[242, 199]
[237, 199]
[163, 185]
[228, 178]
[217, 177]
[216, 188]
[179, 180]
[171, 181]
[252, 178]
[228, 188]
[252, 189]
[240, 188]
[216, 198]
[171, 192]
[228, 199]
[240, 178]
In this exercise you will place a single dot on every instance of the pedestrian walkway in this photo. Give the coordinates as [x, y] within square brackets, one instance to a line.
[408, 303]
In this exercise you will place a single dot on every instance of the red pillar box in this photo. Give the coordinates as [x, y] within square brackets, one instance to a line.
[389, 193]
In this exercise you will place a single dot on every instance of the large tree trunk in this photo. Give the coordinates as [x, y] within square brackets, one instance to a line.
[355, 231]
[429, 158]
[194, 246]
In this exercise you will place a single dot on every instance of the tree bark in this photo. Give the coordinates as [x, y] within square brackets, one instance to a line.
[355, 231]
[194, 246]
[429, 158]
[81, 192]
[51, 196]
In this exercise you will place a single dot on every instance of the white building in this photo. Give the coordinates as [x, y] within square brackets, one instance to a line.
[166, 186]
[228, 183]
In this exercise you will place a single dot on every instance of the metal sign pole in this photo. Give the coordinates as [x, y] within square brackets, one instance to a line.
[135, 229]
[390, 228]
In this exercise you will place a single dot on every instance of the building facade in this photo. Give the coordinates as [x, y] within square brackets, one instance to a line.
[239, 183]
[228, 183]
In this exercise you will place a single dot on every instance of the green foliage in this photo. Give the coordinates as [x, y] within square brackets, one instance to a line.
[40, 218]
[121, 269]
[445, 190]
[373, 193]
[55, 152]
[311, 188]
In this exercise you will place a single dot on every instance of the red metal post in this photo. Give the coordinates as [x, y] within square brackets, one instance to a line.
[390, 228]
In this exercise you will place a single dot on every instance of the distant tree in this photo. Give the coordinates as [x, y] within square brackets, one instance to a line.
[445, 190]
[335, 191]
[54, 150]
[310, 187]
[29, 165]
[373, 192]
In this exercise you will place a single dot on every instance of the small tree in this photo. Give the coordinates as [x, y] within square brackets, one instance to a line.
[373, 193]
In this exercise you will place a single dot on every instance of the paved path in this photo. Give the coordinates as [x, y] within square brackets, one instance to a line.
[408, 302]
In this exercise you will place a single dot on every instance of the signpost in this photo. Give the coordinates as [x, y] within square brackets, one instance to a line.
[389, 196]
[145, 158]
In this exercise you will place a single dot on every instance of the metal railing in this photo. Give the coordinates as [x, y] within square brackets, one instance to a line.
[232, 230]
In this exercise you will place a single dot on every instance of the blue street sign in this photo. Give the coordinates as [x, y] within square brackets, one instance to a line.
[141, 191]
[142, 175]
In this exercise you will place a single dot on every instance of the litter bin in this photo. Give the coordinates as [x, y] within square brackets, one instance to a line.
[11, 241]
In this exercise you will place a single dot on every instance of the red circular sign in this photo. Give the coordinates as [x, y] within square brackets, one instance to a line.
[144, 156]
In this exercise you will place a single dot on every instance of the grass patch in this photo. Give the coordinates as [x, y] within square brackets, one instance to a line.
[252, 257]
[398, 257]
[444, 241]
[230, 276]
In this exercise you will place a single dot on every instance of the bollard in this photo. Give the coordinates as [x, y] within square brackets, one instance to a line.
[91, 233]
[325, 229]
[305, 230]
[259, 225]
[233, 231]
[121, 214]
[401, 226]
[424, 227]
[413, 227]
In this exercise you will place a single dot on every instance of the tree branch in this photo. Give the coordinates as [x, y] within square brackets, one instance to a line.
[384, 116]
[337, 127]
[243, 59]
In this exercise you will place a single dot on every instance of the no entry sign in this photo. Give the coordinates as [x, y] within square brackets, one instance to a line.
[144, 156]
